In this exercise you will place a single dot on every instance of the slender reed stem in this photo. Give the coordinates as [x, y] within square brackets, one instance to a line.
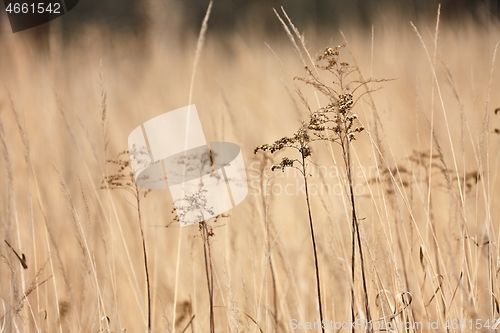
[355, 232]
[146, 270]
[273, 276]
[318, 285]
[353, 276]
[208, 271]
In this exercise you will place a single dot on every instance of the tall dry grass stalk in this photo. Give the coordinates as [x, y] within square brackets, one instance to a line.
[199, 48]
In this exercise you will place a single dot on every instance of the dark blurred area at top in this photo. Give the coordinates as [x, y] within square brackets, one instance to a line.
[324, 14]
[133, 16]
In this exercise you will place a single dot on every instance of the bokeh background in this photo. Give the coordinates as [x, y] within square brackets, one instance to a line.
[72, 90]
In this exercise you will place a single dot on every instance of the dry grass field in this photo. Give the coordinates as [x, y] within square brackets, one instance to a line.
[425, 182]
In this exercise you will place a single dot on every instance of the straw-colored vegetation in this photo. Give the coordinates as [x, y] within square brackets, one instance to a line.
[424, 182]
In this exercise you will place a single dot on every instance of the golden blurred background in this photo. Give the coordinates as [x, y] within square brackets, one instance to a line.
[72, 90]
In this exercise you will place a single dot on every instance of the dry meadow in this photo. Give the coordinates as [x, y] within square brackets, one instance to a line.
[425, 181]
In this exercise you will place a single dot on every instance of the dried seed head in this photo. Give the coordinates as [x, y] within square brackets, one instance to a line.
[345, 103]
